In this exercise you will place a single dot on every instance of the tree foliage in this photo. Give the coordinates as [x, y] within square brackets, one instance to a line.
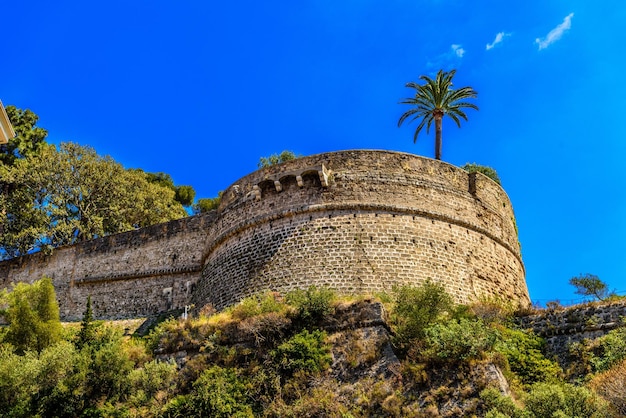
[32, 312]
[434, 99]
[277, 159]
[71, 194]
[56, 196]
[590, 285]
[29, 138]
[182, 194]
[208, 204]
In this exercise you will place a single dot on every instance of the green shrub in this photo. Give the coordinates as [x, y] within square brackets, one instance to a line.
[611, 350]
[487, 171]
[256, 305]
[306, 351]
[218, 392]
[312, 304]
[499, 405]
[33, 316]
[18, 382]
[155, 376]
[523, 351]
[415, 309]
[564, 400]
[459, 340]
[277, 159]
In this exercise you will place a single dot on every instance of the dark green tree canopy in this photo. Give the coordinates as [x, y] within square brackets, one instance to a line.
[590, 285]
[29, 138]
[434, 99]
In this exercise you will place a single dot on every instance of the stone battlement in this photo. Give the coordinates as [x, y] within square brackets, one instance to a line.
[356, 221]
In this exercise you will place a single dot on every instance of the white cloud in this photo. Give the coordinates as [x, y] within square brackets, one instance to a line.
[450, 57]
[499, 38]
[458, 51]
[556, 33]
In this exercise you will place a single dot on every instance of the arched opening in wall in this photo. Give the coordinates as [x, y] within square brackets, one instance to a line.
[311, 179]
[289, 183]
[267, 187]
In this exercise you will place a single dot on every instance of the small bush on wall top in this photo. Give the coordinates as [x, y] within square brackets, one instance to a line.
[487, 171]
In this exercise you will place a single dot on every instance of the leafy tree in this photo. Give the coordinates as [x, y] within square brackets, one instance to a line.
[487, 171]
[29, 138]
[433, 100]
[590, 285]
[207, 204]
[182, 194]
[72, 194]
[277, 159]
[32, 312]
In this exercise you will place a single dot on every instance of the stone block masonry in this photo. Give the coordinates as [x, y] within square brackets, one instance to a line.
[356, 221]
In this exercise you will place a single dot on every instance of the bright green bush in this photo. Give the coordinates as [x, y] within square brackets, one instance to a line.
[306, 351]
[33, 316]
[499, 405]
[459, 340]
[154, 377]
[415, 309]
[487, 171]
[218, 392]
[564, 400]
[523, 351]
[611, 350]
[18, 382]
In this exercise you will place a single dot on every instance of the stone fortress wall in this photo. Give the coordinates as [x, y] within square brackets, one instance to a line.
[356, 221]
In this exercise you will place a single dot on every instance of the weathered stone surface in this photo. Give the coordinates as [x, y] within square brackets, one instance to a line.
[562, 328]
[355, 221]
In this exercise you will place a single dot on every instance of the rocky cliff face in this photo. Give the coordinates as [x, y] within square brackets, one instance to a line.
[364, 372]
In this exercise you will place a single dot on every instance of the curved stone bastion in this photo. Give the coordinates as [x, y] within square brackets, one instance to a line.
[355, 221]
[359, 222]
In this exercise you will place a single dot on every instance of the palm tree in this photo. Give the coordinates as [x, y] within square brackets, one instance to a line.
[434, 99]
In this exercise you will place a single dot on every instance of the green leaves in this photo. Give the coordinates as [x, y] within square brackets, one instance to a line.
[33, 316]
[434, 99]
[71, 194]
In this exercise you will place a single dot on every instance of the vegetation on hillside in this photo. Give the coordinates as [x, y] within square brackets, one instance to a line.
[53, 196]
[277, 355]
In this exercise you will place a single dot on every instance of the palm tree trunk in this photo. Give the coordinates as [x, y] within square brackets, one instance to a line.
[438, 120]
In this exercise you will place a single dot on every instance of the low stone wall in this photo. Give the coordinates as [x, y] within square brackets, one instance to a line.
[128, 275]
[561, 328]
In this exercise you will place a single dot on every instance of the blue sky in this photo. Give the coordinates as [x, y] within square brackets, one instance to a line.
[201, 90]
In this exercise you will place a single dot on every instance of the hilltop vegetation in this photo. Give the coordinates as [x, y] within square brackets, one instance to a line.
[307, 353]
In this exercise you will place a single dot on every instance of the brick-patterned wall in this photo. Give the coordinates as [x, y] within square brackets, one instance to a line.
[383, 218]
[561, 328]
[357, 221]
[132, 274]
